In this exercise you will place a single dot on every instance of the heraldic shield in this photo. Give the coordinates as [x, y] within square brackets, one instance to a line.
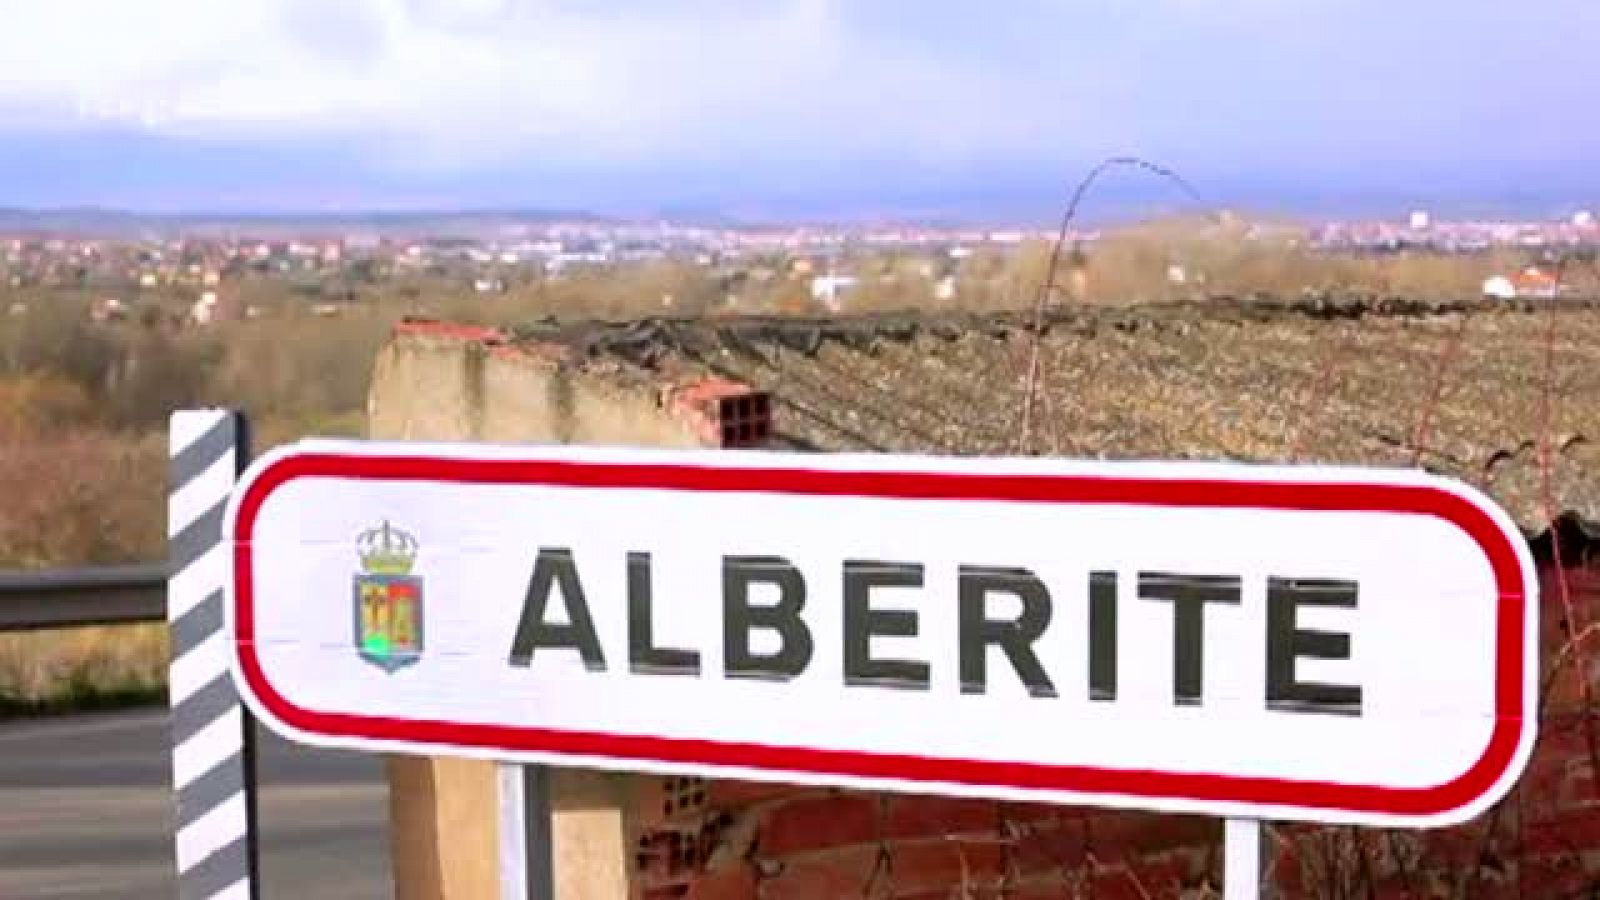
[388, 599]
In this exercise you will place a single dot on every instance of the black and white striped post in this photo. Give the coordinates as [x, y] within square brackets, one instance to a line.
[213, 747]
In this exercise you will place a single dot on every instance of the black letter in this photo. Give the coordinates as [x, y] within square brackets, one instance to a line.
[1015, 637]
[552, 566]
[861, 622]
[1189, 595]
[739, 617]
[1102, 635]
[643, 655]
[1285, 643]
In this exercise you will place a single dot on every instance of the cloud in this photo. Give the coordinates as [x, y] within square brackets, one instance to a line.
[457, 80]
[435, 86]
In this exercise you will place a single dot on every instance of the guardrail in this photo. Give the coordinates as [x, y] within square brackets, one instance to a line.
[213, 754]
[67, 598]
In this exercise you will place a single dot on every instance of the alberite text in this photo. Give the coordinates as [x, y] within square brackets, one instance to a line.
[1285, 641]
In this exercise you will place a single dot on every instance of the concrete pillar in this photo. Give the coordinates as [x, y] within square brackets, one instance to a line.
[435, 381]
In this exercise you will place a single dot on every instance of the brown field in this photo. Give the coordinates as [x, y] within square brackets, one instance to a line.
[83, 405]
[90, 497]
[82, 667]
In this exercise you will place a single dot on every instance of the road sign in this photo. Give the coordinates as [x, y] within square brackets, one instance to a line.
[1329, 644]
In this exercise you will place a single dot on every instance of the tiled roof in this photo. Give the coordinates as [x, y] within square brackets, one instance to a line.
[1458, 389]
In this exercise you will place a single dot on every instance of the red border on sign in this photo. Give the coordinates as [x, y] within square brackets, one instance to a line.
[1498, 756]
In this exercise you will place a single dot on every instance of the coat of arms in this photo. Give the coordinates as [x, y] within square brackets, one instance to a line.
[388, 599]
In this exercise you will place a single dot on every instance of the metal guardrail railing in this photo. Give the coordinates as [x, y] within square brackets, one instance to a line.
[67, 598]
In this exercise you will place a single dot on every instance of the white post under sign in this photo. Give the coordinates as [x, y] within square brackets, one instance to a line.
[1241, 859]
[1249, 642]
[527, 869]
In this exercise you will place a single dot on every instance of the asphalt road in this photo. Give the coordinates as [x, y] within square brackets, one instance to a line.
[86, 814]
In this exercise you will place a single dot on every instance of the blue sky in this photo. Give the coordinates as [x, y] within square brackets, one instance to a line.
[815, 106]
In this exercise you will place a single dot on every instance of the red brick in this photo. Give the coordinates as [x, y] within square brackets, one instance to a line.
[1556, 877]
[1048, 847]
[1400, 889]
[844, 873]
[542, 353]
[1288, 880]
[1030, 813]
[736, 882]
[724, 413]
[452, 330]
[918, 816]
[669, 856]
[1117, 883]
[1546, 768]
[1577, 787]
[1566, 693]
[1056, 888]
[1573, 785]
[1561, 740]
[731, 795]
[944, 894]
[1452, 847]
[660, 800]
[1139, 834]
[817, 822]
[1571, 831]
[946, 865]
[1164, 876]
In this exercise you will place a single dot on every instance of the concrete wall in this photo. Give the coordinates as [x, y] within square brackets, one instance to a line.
[437, 382]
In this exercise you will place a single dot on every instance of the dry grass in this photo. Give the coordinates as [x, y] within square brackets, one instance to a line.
[80, 667]
[81, 498]
[89, 498]
[86, 498]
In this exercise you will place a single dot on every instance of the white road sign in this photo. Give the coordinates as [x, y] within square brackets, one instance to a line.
[1330, 644]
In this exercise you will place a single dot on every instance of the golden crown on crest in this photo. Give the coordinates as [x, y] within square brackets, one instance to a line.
[386, 550]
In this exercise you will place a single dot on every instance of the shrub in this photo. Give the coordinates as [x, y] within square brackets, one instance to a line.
[43, 405]
[82, 498]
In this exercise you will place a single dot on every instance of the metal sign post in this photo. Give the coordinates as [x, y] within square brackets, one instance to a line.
[1241, 859]
[526, 865]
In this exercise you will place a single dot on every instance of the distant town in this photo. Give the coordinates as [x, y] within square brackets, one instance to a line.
[491, 257]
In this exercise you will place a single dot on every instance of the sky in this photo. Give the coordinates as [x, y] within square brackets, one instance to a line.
[811, 107]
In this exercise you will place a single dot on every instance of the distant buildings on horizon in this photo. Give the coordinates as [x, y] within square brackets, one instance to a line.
[331, 267]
